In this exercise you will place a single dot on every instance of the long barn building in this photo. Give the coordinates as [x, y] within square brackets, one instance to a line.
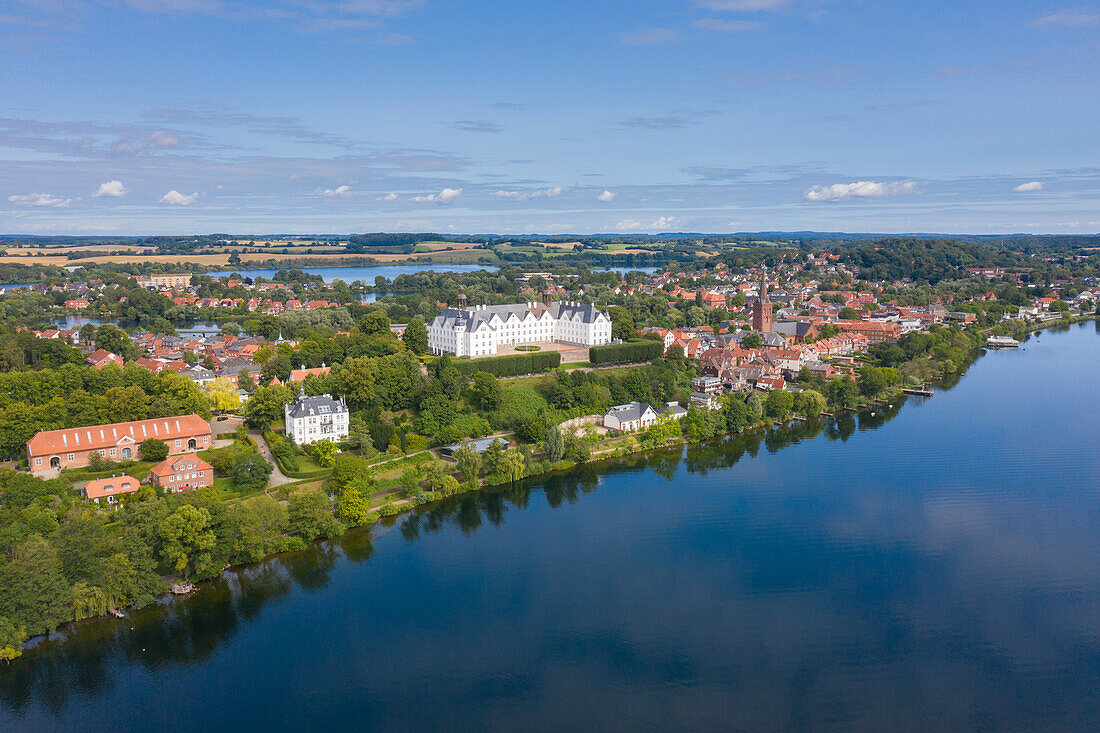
[71, 447]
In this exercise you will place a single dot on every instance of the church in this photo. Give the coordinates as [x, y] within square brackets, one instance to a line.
[480, 330]
[762, 308]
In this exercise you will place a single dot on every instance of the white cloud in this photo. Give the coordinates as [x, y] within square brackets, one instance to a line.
[175, 198]
[40, 199]
[859, 190]
[526, 195]
[445, 196]
[728, 26]
[338, 192]
[1069, 18]
[607, 196]
[389, 197]
[1030, 186]
[111, 189]
[663, 222]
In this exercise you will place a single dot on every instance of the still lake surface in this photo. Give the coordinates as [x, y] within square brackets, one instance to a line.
[934, 566]
[367, 273]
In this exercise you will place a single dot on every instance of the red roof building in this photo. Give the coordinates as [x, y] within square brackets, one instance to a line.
[71, 447]
[180, 473]
[101, 358]
[109, 489]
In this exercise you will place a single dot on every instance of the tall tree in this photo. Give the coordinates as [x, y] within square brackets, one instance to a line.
[416, 336]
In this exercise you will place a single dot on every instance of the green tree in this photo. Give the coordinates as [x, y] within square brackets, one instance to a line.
[468, 462]
[416, 336]
[186, 539]
[36, 596]
[153, 449]
[848, 314]
[513, 465]
[377, 322]
[779, 404]
[755, 403]
[325, 452]
[12, 637]
[309, 515]
[410, 481]
[663, 429]
[487, 391]
[250, 472]
[555, 444]
[752, 341]
[354, 508]
[810, 402]
[259, 525]
[622, 324]
[265, 406]
[245, 381]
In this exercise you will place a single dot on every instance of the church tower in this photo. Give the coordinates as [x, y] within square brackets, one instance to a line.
[462, 299]
[762, 309]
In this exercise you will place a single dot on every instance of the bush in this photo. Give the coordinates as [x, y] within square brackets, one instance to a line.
[152, 449]
[632, 351]
[510, 366]
[96, 462]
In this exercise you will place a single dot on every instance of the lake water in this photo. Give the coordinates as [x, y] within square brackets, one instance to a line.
[935, 566]
[366, 273]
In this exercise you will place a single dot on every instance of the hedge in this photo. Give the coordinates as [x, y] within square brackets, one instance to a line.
[513, 365]
[627, 353]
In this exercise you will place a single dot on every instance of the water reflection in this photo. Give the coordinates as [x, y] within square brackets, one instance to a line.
[187, 631]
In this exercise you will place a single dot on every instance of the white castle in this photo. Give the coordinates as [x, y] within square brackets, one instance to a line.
[478, 331]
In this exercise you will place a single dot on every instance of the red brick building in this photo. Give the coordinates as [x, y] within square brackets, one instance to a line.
[762, 309]
[101, 358]
[180, 473]
[875, 332]
[70, 448]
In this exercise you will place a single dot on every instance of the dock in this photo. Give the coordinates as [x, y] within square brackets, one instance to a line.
[921, 390]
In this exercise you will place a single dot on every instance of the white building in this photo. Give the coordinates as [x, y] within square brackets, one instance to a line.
[309, 419]
[630, 417]
[480, 330]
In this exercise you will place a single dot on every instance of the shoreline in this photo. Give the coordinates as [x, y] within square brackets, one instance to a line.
[408, 505]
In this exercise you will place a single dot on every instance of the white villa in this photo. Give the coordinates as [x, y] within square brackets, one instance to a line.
[480, 330]
[630, 417]
[309, 419]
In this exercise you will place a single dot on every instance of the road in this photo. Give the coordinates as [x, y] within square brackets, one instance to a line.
[277, 478]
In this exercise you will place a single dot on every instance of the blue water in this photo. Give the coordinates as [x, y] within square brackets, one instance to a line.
[366, 273]
[933, 567]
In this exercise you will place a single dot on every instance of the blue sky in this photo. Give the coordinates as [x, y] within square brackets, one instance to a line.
[544, 116]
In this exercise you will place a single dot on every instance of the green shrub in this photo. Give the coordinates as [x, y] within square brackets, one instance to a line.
[510, 366]
[632, 351]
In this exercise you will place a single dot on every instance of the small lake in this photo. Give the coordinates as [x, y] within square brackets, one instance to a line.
[933, 566]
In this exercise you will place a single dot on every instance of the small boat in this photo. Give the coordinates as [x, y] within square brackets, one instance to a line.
[181, 589]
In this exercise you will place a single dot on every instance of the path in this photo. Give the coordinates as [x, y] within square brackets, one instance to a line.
[277, 478]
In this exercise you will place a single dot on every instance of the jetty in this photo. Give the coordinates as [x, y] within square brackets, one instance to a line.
[1002, 342]
[921, 390]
